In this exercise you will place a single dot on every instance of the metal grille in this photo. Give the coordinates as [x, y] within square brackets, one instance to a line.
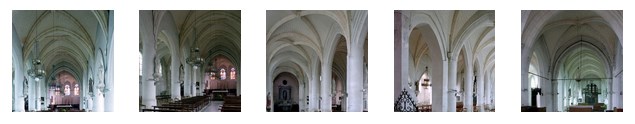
[405, 103]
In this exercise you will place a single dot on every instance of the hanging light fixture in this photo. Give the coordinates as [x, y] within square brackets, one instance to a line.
[211, 67]
[37, 72]
[578, 79]
[426, 80]
[195, 59]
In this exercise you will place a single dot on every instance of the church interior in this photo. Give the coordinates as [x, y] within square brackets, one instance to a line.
[572, 61]
[317, 61]
[444, 61]
[62, 61]
[189, 61]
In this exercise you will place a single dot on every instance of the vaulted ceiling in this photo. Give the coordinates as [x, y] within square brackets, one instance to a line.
[468, 31]
[298, 39]
[582, 44]
[214, 32]
[60, 38]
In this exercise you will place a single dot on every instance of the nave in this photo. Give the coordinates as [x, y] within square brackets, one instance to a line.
[189, 60]
[62, 61]
[572, 61]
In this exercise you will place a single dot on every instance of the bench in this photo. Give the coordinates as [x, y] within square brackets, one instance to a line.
[231, 104]
[580, 108]
[191, 104]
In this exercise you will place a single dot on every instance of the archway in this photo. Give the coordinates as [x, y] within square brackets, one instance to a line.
[339, 76]
[220, 77]
[426, 57]
[570, 60]
[64, 92]
[583, 75]
[285, 92]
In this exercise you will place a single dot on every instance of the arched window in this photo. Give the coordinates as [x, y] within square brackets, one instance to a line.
[232, 74]
[67, 90]
[76, 89]
[222, 74]
[57, 90]
[534, 81]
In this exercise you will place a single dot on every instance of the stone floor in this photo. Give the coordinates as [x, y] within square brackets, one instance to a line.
[213, 106]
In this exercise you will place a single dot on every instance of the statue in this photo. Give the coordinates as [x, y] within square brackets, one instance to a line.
[25, 90]
[89, 102]
[100, 84]
[157, 70]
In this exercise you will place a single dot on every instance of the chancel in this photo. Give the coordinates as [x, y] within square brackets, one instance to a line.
[571, 61]
[444, 61]
[63, 61]
[189, 61]
[317, 61]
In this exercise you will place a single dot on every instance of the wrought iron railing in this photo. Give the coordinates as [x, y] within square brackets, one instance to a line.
[405, 103]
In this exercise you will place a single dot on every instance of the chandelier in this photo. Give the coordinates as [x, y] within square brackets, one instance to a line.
[37, 72]
[211, 70]
[194, 58]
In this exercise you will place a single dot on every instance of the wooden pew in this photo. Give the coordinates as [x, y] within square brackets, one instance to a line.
[580, 108]
[231, 104]
[191, 104]
[459, 106]
[157, 110]
[618, 109]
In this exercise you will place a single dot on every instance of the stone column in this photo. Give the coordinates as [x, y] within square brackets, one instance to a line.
[31, 94]
[188, 80]
[344, 96]
[38, 91]
[269, 92]
[174, 76]
[326, 86]
[440, 102]
[301, 94]
[99, 93]
[18, 77]
[365, 89]
[110, 89]
[149, 42]
[488, 88]
[314, 89]
[469, 86]
[238, 87]
[356, 85]
[89, 102]
[545, 99]
[479, 92]
[194, 80]
[524, 79]
[401, 53]
[452, 85]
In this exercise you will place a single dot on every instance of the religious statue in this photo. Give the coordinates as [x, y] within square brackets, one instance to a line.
[89, 102]
[157, 69]
[25, 89]
[100, 84]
